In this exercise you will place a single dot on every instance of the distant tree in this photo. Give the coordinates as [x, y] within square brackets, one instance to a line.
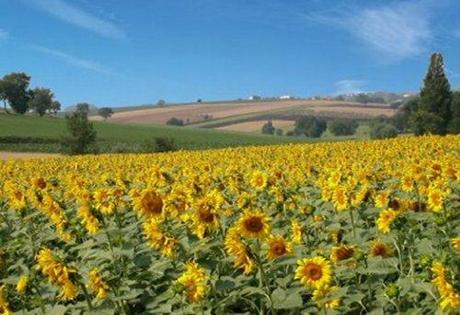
[362, 98]
[41, 101]
[342, 127]
[105, 112]
[268, 128]
[279, 132]
[383, 130]
[436, 96]
[55, 107]
[199, 100]
[83, 107]
[14, 90]
[161, 103]
[309, 126]
[422, 122]
[173, 121]
[82, 133]
[340, 98]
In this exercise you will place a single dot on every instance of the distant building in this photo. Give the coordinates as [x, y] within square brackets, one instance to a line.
[254, 98]
[285, 97]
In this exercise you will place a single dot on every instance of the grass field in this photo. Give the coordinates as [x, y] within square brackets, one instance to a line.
[42, 134]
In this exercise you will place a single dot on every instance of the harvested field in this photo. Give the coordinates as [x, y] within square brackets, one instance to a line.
[196, 112]
[24, 155]
[256, 126]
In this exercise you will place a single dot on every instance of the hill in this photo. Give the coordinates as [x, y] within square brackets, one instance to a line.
[42, 134]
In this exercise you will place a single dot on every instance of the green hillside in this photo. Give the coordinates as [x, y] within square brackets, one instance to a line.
[32, 133]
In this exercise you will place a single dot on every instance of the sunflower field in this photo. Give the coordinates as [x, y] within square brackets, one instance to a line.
[356, 227]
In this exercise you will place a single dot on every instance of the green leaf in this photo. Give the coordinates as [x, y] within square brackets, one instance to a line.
[286, 300]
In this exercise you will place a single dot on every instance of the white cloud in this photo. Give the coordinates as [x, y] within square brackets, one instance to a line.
[76, 61]
[73, 15]
[396, 31]
[3, 35]
[345, 87]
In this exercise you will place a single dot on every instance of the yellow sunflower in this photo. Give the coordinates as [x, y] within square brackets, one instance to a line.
[435, 200]
[277, 247]
[314, 272]
[385, 219]
[259, 180]
[342, 252]
[149, 203]
[381, 249]
[254, 224]
[456, 243]
[340, 199]
[320, 297]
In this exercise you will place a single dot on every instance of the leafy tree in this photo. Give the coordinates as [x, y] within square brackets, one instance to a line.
[105, 112]
[381, 130]
[362, 98]
[161, 103]
[436, 96]
[423, 122]
[343, 127]
[82, 133]
[55, 107]
[454, 124]
[173, 121]
[401, 119]
[309, 126]
[268, 128]
[279, 132]
[14, 90]
[41, 101]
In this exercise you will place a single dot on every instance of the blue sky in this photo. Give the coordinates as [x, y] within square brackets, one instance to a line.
[113, 53]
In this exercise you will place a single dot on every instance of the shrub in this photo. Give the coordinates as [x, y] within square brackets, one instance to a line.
[310, 126]
[105, 112]
[268, 128]
[173, 121]
[383, 130]
[423, 122]
[82, 133]
[342, 127]
[279, 132]
[159, 144]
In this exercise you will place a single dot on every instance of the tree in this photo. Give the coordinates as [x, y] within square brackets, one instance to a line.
[82, 133]
[279, 132]
[268, 128]
[423, 122]
[436, 96]
[173, 121]
[161, 103]
[41, 101]
[14, 90]
[309, 126]
[381, 130]
[342, 127]
[105, 112]
[55, 107]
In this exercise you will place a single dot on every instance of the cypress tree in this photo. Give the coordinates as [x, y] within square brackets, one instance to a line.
[436, 96]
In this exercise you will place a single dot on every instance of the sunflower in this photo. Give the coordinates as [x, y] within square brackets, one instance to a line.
[236, 248]
[259, 180]
[314, 272]
[382, 199]
[22, 283]
[385, 219]
[296, 230]
[4, 306]
[320, 297]
[254, 224]
[435, 200]
[456, 243]
[450, 298]
[149, 203]
[277, 247]
[342, 252]
[194, 280]
[97, 284]
[340, 199]
[381, 249]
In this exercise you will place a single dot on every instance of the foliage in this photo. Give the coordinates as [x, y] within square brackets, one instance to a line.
[454, 126]
[336, 228]
[173, 121]
[383, 130]
[82, 133]
[436, 96]
[422, 122]
[279, 131]
[310, 126]
[14, 90]
[401, 119]
[42, 101]
[161, 103]
[105, 112]
[342, 127]
[268, 128]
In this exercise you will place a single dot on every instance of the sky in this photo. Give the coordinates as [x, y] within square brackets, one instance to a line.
[119, 53]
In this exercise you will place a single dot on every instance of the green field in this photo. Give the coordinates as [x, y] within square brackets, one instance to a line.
[42, 134]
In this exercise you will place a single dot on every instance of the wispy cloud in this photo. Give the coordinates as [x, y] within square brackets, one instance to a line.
[396, 31]
[344, 87]
[457, 33]
[75, 16]
[73, 60]
[3, 35]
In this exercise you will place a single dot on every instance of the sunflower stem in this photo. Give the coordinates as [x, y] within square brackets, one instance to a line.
[352, 219]
[263, 278]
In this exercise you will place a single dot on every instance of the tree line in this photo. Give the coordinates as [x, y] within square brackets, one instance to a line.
[15, 92]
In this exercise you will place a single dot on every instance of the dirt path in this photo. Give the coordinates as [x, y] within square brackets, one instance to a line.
[24, 155]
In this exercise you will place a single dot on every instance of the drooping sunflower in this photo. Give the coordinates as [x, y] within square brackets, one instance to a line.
[4, 305]
[97, 284]
[254, 224]
[379, 248]
[450, 298]
[314, 272]
[342, 252]
[385, 219]
[236, 248]
[22, 283]
[194, 280]
[278, 246]
[320, 296]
